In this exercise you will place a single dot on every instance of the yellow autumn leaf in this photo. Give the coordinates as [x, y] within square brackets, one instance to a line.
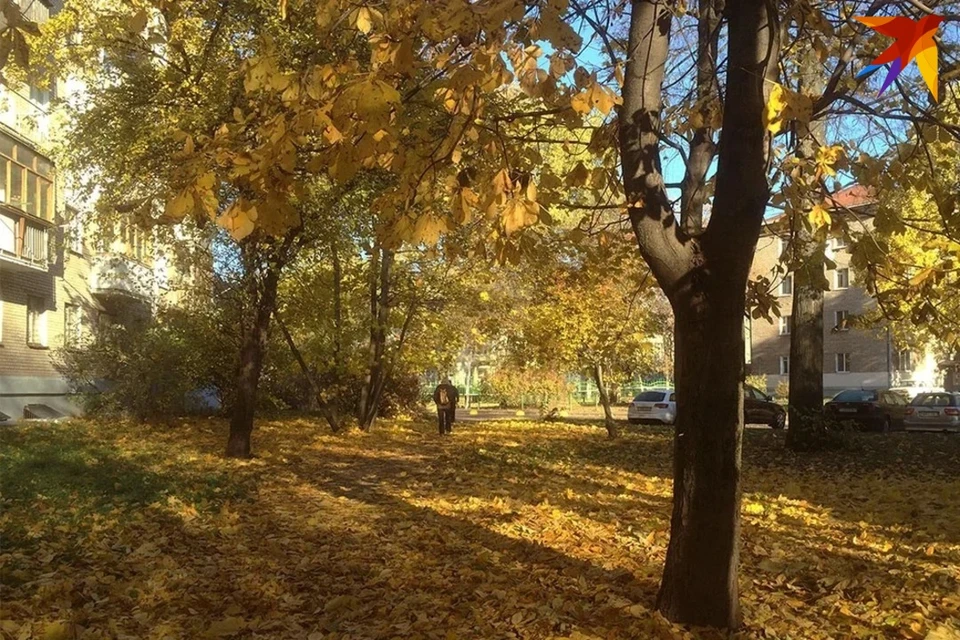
[364, 20]
[819, 217]
[776, 103]
[179, 206]
[581, 102]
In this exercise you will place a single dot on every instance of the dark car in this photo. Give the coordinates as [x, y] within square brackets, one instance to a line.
[759, 408]
[868, 409]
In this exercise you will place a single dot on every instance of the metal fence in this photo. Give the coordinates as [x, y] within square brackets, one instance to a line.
[584, 393]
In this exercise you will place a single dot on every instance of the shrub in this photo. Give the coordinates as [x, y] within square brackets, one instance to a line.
[152, 369]
[513, 387]
[783, 390]
[820, 432]
[757, 381]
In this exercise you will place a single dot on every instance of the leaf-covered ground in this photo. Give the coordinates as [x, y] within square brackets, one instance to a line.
[505, 530]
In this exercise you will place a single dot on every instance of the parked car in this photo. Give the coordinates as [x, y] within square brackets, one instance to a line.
[933, 412]
[912, 392]
[868, 409]
[654, 406]
[759, 408]
[660, 406]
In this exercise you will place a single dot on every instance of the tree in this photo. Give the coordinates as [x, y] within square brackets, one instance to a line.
[589, 315]
[908, 257]
[257, 100]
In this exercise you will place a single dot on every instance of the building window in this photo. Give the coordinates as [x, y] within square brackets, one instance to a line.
[786, 285]
[843, 278]
[843, 362]
[784, 325]
[40, 96]
[784, 365]
[8, 234]
[36, 322]
[905, 360]
[839, 243]
[840, 320]
[26, 180]
[1, 321]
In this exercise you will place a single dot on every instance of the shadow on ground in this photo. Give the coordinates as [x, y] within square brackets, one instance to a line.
[512, 530]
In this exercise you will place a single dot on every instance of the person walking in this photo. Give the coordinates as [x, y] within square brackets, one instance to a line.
[445, 396]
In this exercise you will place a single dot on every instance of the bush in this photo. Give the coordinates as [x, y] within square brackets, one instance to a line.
[757, 381]
[153, 369]
[782, 391]
[819, 432]
[513, 387]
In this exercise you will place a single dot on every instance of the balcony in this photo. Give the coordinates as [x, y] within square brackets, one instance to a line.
[115, 277]
[24, 241]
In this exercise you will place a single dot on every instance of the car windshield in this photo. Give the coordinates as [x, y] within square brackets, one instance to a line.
[856, 395]
[649, 396]
[934, 400]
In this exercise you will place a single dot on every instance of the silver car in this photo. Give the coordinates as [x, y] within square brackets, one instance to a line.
[933, 412]
[656, 405]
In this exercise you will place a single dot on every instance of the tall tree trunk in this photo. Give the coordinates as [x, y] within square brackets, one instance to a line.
[613, 430]
[251, 362]
[700, 578]
[337, 308]
[466, 402]
[808, 249]
[380, 316]
[704, 276]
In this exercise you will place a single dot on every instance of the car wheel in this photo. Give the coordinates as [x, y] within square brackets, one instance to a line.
[779, 421]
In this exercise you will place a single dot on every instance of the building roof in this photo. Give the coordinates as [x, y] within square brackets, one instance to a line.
[853, 197]
[856, 195]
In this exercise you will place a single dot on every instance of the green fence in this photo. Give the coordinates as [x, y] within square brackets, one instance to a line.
[584, 393]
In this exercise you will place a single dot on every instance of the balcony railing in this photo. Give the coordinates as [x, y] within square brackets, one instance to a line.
[115, 274]
[24, 241]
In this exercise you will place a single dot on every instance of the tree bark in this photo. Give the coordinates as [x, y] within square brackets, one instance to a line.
[704, 277]
[699, 583]
[337, 308]
[251, 362]
[613, 430]
[808, 248]
[380, 304]
[805, 405]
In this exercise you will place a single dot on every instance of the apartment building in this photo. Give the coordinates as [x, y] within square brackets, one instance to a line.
[854, 356]
[61, 277]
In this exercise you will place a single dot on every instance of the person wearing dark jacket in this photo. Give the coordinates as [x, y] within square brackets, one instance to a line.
[445, 396]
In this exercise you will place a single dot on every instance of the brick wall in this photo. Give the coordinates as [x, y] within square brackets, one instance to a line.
[64, 283]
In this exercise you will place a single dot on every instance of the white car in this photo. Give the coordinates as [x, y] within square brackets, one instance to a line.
[656, 405]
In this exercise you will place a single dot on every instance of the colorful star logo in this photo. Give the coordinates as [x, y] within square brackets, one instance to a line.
[914, 39]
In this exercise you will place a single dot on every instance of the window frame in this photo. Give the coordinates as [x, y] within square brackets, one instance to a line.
[909, 360]
[836, 279]
[841, 324]
[788, 278]
[784, 325]
[37, 324]
[845, 357]
[42, 182]
[784, 365]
